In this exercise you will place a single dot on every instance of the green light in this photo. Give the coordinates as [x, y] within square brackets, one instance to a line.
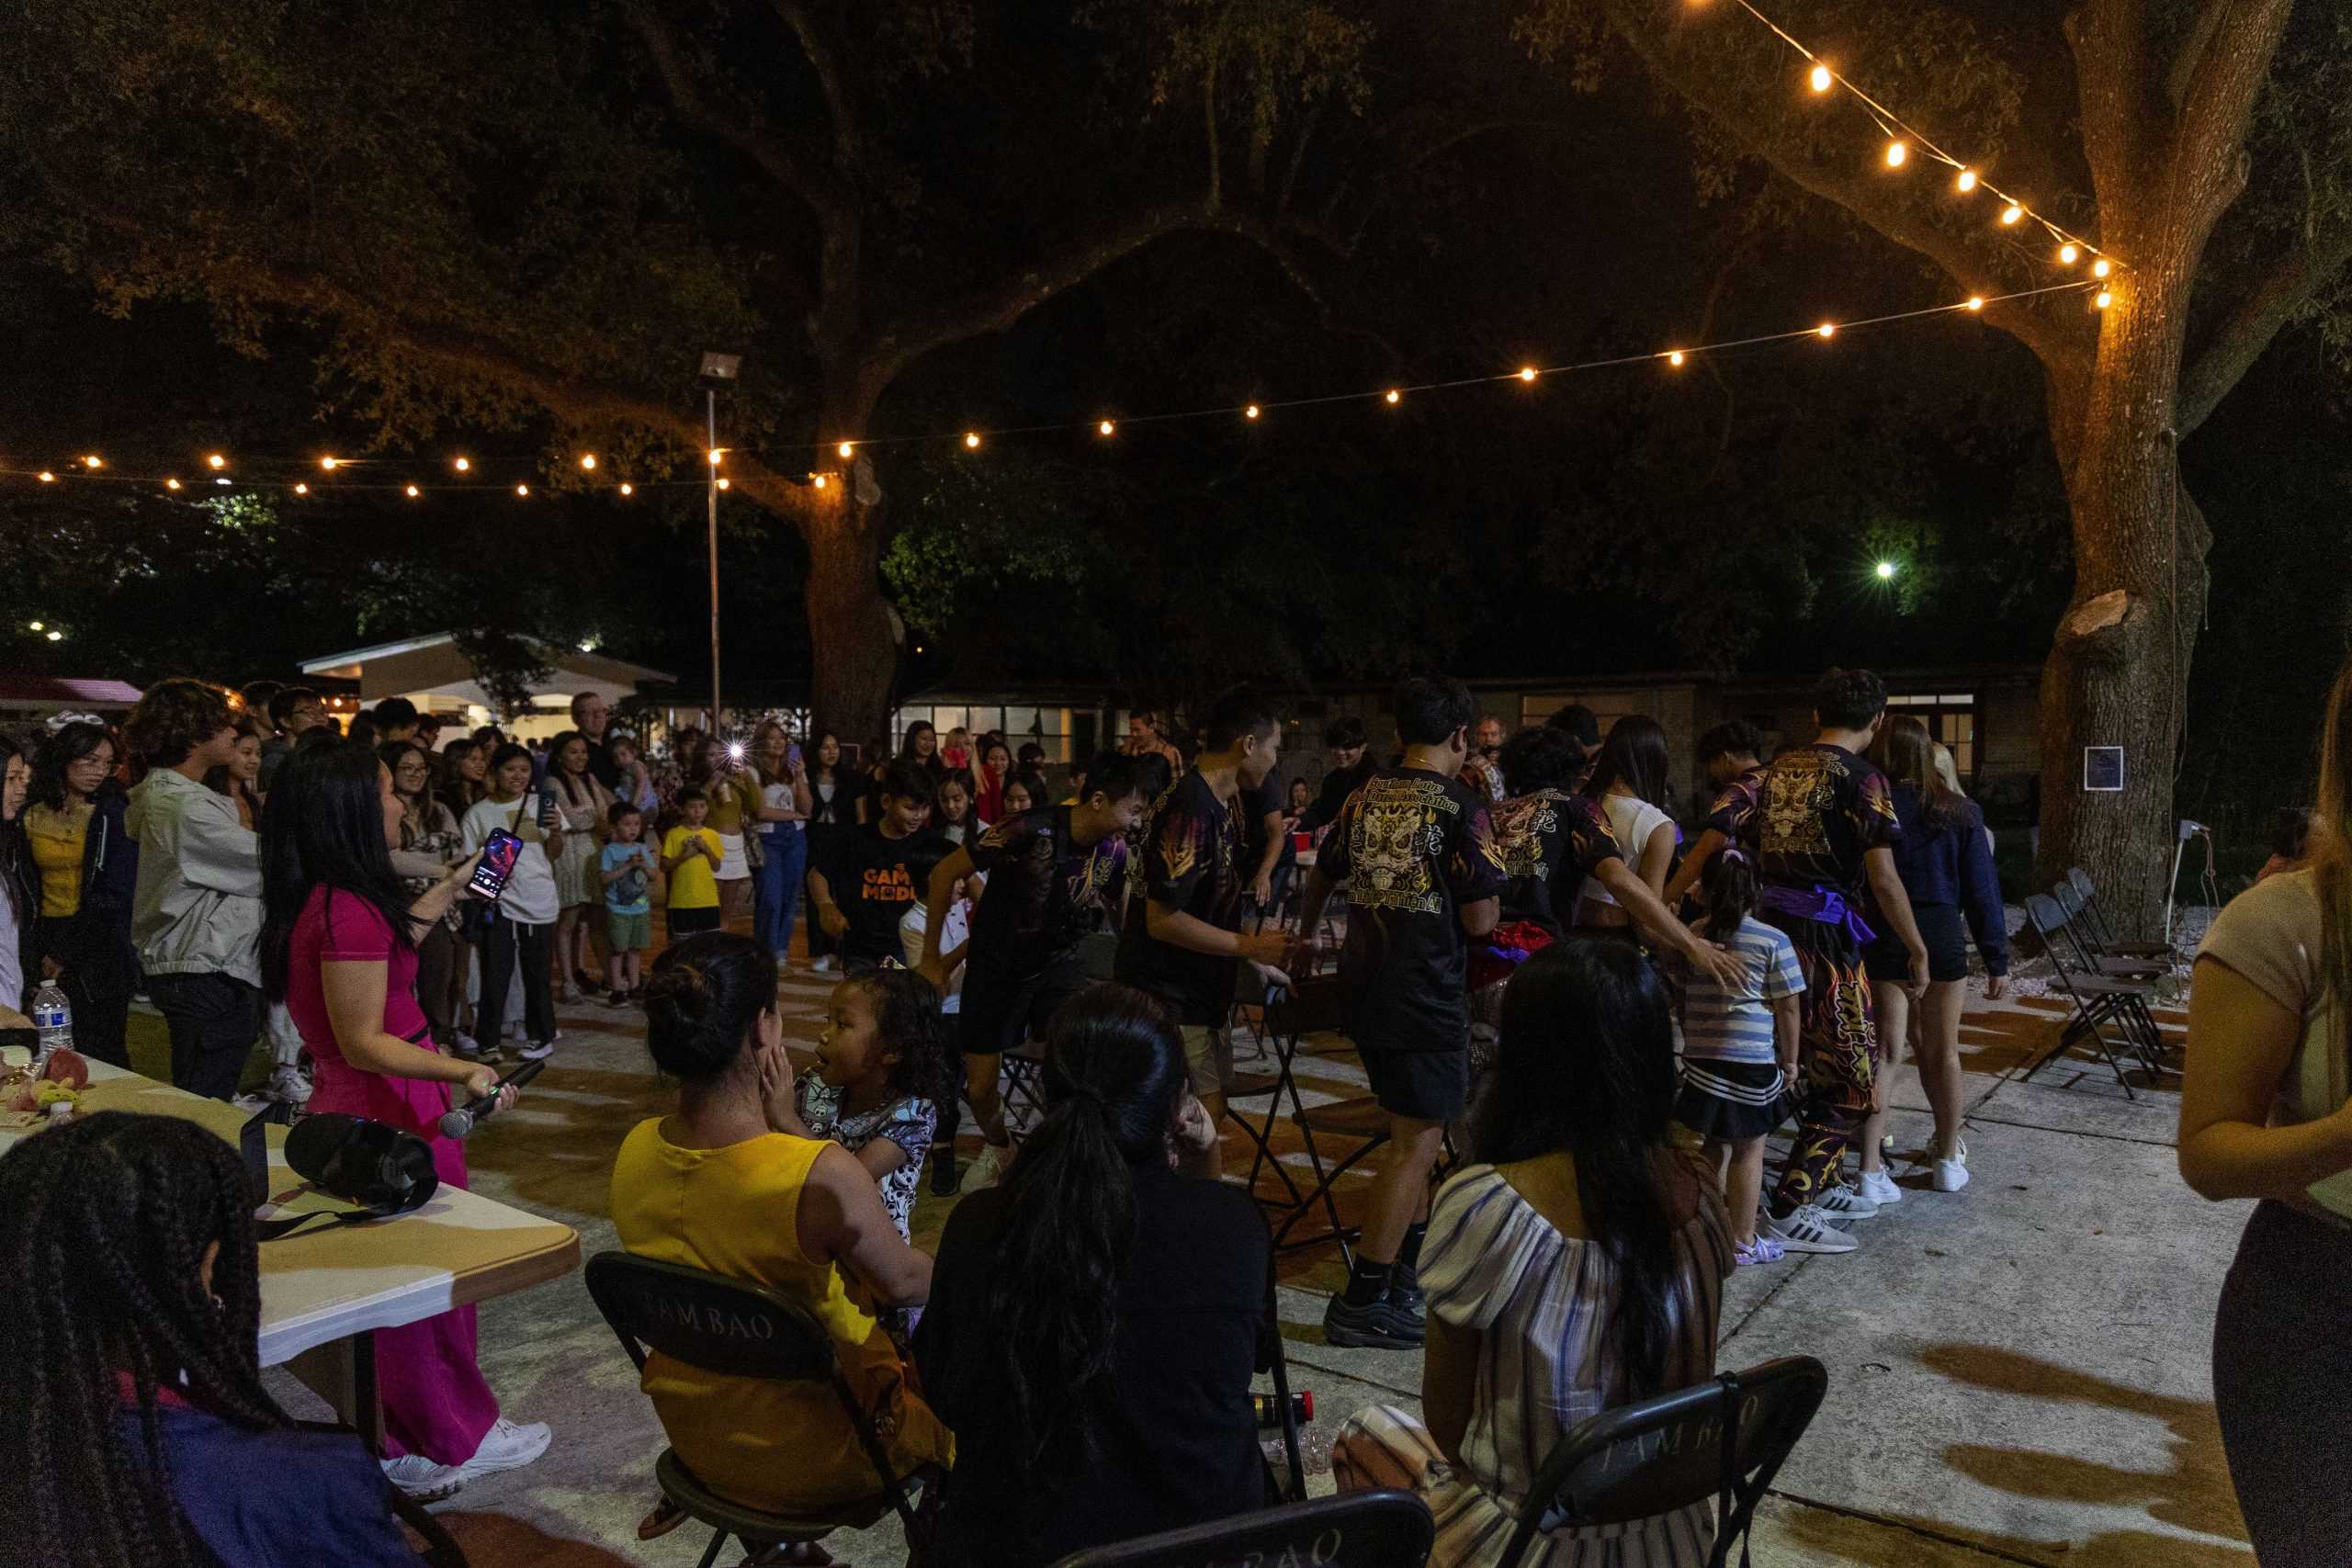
[1885, 571]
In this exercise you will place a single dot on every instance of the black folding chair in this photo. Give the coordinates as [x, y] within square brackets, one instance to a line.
[1310, 1006]
[1722, 1440]
[733, 1329]
[2132, 1011]
[1355, 1529]
[1025, 1088]
[2093, 955]
[2088, 892]
[2096, 1001]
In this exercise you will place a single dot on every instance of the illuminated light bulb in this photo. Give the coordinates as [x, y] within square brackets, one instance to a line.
[628, 489]
[821, 482]
[1527, 372]
[588, 460]
[2011, 213]
[971, 440]
[1104, 428]
[1895, 154]
[47, 477]
[1885, 571]
[1250, 413]
[2101, 267]
[1976, 301]
[1822, 78]
[94, 462]
[1393, 395]
[2067, 255]
[171, 484]
[1967, 180]
[522, 489]
[217, 461]
[301, 489]
[328, 464]
[1827, 329]
[57, 636]
[724, 484]
[2105, 299]
[220, 481]
[39, 626]
[463, 464]
[413, 493]
[1675, 358]
[843, 448]
[716, 455]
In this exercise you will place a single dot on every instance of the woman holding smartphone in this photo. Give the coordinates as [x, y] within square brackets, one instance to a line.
[339, 947]
[516, 928]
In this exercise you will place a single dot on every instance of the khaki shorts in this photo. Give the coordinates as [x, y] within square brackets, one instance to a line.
[1208, 1054]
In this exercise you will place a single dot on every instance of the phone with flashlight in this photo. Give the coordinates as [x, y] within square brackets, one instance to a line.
[499, 853]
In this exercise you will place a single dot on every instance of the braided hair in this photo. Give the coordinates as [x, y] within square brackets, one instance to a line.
[109, 1220]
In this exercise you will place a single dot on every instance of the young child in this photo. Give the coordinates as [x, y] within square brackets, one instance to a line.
[627, 865]
[1740, 1046]
[691, 854]
[880, 1065]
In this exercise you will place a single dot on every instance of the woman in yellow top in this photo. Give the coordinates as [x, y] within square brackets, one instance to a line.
[732, 1182]
[90, 870]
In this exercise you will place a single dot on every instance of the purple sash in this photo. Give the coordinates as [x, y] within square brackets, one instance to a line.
[1825, 905]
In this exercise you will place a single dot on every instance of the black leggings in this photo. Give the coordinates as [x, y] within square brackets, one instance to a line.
[504, 942]
[2282, 1378]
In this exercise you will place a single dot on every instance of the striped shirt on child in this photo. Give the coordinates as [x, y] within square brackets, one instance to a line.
[1728, 1025]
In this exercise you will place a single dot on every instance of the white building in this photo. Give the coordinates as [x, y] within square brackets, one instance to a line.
[431, 672]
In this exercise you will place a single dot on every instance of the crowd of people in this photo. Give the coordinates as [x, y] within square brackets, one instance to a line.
[1603, 1021]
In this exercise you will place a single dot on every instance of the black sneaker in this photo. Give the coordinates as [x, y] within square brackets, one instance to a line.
[944, 1178]
[1383, 1325]
[1405, 1290]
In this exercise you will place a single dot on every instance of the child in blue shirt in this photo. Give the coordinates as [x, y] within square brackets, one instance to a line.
[627, 864]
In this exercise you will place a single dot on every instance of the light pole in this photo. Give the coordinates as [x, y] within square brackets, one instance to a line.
[718, 370]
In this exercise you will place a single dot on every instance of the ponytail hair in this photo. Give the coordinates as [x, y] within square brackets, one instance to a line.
[701, 1001]
[1115, 1065]
[1730, 891]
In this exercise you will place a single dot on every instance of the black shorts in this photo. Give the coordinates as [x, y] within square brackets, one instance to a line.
[1428, 1086]
[996, 1014]
[1946, 935]
[686, 922]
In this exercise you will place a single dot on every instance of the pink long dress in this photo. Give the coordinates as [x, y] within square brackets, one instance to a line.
[434, 1400]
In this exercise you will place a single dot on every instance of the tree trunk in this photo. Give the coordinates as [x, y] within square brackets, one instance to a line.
[854, 650]
[2118, 671]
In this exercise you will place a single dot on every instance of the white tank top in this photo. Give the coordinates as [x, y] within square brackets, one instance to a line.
[1632, 820]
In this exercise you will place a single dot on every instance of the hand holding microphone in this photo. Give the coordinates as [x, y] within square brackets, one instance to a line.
[491, 1095]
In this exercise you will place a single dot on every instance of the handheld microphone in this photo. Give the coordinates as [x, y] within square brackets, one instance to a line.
[460, 1120]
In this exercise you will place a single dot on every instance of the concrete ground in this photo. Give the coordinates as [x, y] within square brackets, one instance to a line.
[2019, 1373]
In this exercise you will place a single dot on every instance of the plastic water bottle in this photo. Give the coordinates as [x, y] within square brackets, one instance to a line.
[53, 1017]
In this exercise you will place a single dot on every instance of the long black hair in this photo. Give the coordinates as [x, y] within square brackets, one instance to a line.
[1115, 1065]
[69, 745]
[1635, 755]
[324, 827]
[109, 1219]
[1730, 891]
[701, 1000]
[1586, 1065]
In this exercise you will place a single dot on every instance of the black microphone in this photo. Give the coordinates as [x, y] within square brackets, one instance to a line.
[460, 1120]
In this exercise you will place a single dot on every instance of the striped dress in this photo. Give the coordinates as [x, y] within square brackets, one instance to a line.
[1539, 1302]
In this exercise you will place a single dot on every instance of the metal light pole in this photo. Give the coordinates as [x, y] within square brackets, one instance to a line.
[718, 370]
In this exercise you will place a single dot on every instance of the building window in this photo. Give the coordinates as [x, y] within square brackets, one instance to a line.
[1950, 717]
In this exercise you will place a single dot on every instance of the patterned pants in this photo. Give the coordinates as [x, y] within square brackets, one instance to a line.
[1836, 1060]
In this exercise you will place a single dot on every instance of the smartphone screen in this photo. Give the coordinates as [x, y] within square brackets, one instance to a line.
[499, 852]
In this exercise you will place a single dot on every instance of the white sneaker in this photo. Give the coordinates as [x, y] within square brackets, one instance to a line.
[538, 1051]
[424, 1481]
[1807, 1229]
[1951, 1175]
[1880, 1188]
[823, 964]
[287, 1085]
[1843, 1203]
[507, 1446]
[985, 1171]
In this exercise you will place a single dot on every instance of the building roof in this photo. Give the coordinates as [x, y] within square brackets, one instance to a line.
[433, 667]
[347, 666]
[16, 688]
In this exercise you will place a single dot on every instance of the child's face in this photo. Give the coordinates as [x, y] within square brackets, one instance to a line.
[626, 829]
[514, 777]
[1016, 799]
[696, 812]
[624, 754]
[910, 815]
[851, 1053]
[953, 803]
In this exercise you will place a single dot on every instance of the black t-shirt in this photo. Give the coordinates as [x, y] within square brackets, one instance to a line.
[1809, 815]
[1254, 805]
[1044, 892]
[1412, 847]
[876, 880]
[1175, 1442]
[1191, 861]
[1550, 841]
[1337, 784]
[601, 766]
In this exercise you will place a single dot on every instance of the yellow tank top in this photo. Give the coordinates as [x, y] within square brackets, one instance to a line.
[734, 1211]
[57, 839]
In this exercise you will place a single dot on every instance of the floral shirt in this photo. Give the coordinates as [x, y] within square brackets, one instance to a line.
[910, 1123]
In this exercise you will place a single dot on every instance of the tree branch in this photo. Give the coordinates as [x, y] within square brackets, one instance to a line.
[2262, 312]
[2192, 53]
[829, 81]
[776, 160]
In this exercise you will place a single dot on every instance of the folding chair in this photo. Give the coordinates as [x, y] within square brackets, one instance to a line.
[1025, 1088]
[1722, 1440]
[2090, 953]
[733, 1329]
[1359, 1118]
[1310, 1006]
[2088, 892]
[2096, 1000]
[1355, 1529]
[2131, 1011]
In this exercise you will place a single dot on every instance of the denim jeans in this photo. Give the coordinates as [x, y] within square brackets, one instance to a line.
[775, 888]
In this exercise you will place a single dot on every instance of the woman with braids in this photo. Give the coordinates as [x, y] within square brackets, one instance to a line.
[1579, 1270]
[1095, 1320]
[732, 1182]
[138, 1430]
[339, 945]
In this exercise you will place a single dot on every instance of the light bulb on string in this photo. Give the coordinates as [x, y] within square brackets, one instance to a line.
[2011, 213]
[588, 461]
[1250, 413]
[1896, 152]
[171, 484]
[329, 464]
[39, 626]
[57, 636]
[412, 492]
[971, 441]
[726, 484]
[94, 463]
[1967, 180]
[628, 489]
[1527, 372]
[1822, 78]
[215, 461]
[1827, 329]
[2101, 267]
[221, 481]
[1976, 301]
[843, 448]
[1104, 428]
[47, 477]
[2068, 254]
[819, 481]
[1392, 396]
[1675, 358]
[522, 490]
[2105, 298]
[462, 463]
[716, 455]
[301, 489]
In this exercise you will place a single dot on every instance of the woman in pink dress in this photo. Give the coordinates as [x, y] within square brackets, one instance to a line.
[339, 948]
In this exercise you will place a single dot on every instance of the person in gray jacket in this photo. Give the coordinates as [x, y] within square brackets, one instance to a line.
[196, 914]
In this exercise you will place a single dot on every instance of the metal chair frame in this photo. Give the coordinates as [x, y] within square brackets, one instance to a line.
[2096, 1000]
[1353, 1529]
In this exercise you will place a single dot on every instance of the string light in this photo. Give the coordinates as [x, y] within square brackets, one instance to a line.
[522, 490]
[2101, 267]
[971, 440]
[462, 463]
[56, 637]
[413, 493]
[2011, 213]
[94, 463]
[843, 448]
[588, 460]
[221, 481]
[1250, 413]
[1827, 329]
[1393, 396]
[1104, 428]
[1675, 358]
[820, 480]
[1976, 301]
[1527, 372]
[1967, 182]
[1822, 79]
[328, 464]
[1895, 154]
[171, 484]
[47, 477]
[301, 489]
[217, 461]
[2067, 255]
[2105, 298]
[39, 627]
[717, 454]
[628, 489]
[724, 483]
